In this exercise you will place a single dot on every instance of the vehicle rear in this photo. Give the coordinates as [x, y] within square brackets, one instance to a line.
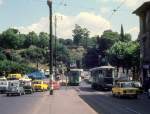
[28, 88]
[74, 77]
[16, 76]
[125, 89]
[39, 85]
[3, 86]
[15, 88]
[102, 77]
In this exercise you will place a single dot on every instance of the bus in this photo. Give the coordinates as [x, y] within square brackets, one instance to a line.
[74, 77]
[102, 78]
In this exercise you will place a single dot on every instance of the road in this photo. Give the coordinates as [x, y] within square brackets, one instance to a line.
[26, 104]
[64, 101]
[100, 102]
[104, 103]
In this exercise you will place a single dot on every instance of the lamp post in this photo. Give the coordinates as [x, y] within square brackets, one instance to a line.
[49, 2]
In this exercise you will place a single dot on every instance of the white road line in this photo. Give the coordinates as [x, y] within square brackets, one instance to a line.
[132, 110]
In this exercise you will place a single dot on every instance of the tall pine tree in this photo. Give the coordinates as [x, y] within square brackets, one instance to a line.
[122, 36]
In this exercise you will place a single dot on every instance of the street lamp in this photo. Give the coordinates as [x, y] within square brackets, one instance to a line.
[49, 3]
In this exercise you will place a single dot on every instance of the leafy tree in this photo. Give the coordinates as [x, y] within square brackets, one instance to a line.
[43, 40]
[2, 55]
[31, 39]
[62, 54]
[13, 67]
[10, 39]
[34, 54]
[91, 58]
[80, 36]
[124, 54]
[68, 42]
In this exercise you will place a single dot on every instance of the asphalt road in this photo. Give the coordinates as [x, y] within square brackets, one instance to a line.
[104, 103]
[26, 104]
[101, 102]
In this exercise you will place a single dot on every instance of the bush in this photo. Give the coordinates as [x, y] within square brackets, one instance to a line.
[13, 67]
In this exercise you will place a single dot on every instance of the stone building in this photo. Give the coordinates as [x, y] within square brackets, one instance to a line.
[144, 38]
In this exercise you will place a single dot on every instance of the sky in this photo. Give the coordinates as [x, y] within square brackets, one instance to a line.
[95, 15]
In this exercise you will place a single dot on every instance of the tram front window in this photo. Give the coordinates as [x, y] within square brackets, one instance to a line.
[109, 73]
[73, 73]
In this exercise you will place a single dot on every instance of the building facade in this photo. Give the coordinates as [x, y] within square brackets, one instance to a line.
[144, 38]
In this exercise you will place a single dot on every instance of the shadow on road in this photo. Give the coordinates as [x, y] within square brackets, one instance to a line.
[105, 103]
[87, 89]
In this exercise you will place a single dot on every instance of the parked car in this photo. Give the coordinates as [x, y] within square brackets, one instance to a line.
[56, 85]
[40, 85]
[138, 85]
[125, 89]
[148, 93]
[3, 86]
[27, 85]
[15, 87]
[16, 76]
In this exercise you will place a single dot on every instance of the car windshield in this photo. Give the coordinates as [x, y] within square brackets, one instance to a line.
[137, 84]
[27, 83]
[127, 85]
[14, 84]
[37, 82]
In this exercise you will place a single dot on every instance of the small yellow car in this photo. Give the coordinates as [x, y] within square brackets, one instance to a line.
[40, 85]
[14, 76]
[125, 89]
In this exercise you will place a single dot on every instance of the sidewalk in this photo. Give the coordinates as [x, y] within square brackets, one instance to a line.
[68, 102]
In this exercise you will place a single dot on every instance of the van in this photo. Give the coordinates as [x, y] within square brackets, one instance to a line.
[15, 87]
[3, 86]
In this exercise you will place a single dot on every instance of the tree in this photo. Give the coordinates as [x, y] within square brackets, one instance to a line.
[91, 58]
[10, 39]
[68, 42]
[31, 39]
[43, 40]
[80, 36]
[34, 54]
[124, 37]
[124, 54]
[122, 34]
[62, 54]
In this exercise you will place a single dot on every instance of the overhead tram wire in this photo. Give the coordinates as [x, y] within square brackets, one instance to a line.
[117, 9]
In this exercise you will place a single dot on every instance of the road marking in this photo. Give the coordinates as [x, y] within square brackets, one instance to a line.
[132, 110]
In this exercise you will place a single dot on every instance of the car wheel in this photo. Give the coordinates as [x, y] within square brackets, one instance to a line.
[19, 94]
[113, 94]
[135, 96]
[148, 95]
[119, 95]
[8, 94]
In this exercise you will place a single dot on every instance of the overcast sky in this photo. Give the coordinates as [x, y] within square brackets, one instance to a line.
[95, 15]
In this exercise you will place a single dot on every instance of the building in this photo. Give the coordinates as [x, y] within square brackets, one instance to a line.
[144, 38]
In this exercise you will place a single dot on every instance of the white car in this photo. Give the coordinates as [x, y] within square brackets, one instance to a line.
[149, 93]
[15, 87]
[3, 86]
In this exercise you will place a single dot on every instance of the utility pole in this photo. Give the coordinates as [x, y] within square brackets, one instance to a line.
[49, 2]
[55, 43]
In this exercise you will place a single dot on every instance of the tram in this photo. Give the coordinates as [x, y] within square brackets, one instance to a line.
[102, 77]
[74, 77]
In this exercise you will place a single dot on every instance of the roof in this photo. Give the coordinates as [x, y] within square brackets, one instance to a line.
[102, 67]
[142, 9]
[76, 69]
[37, 75]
